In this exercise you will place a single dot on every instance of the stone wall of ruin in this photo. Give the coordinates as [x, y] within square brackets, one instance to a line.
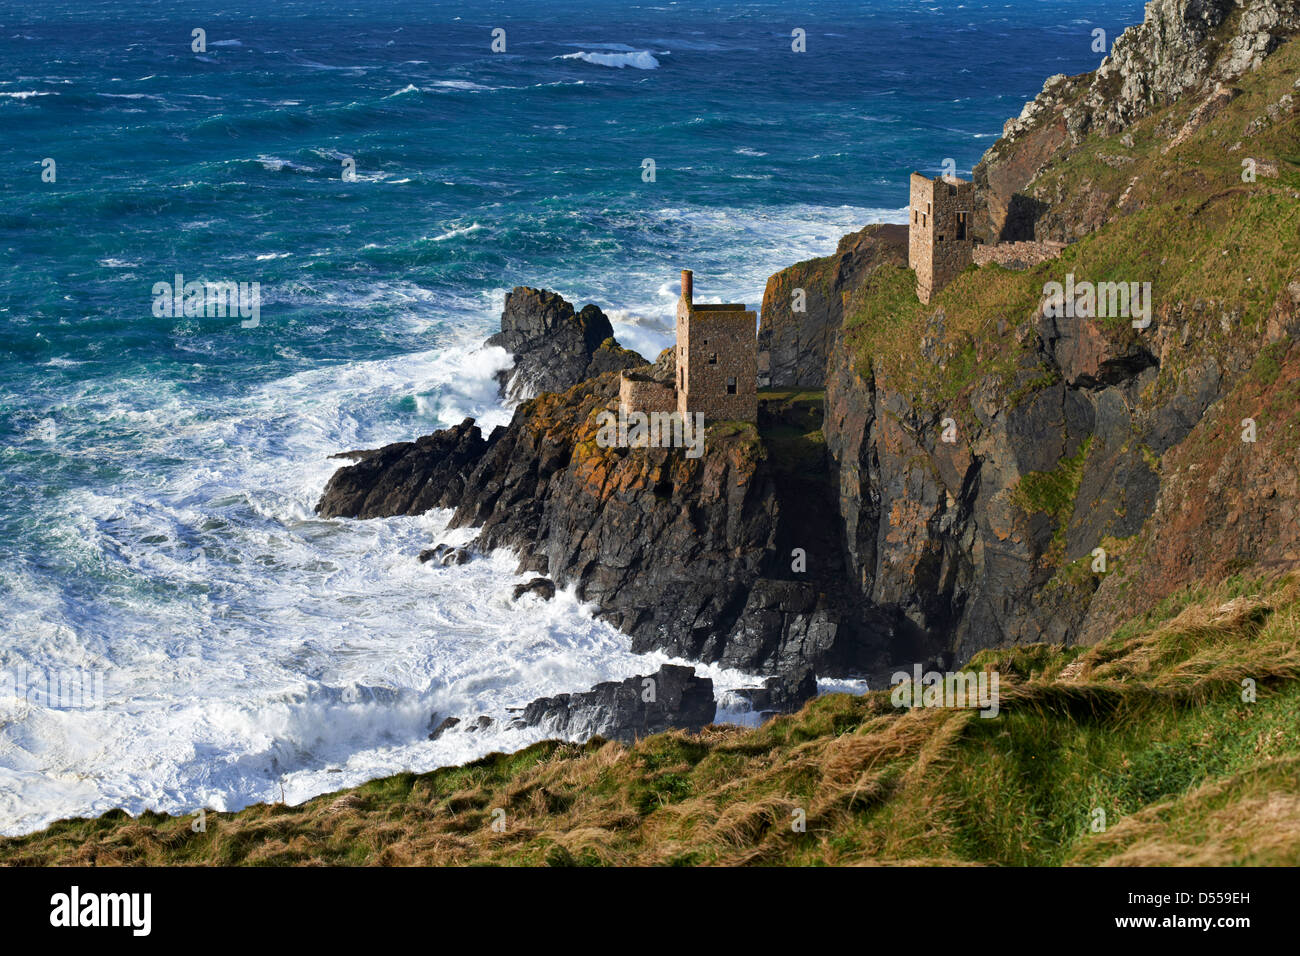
[1018, 255]
[935, 220]
[646, 395]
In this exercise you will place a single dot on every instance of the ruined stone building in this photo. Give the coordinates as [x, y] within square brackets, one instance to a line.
[717, 364]
[939, 239]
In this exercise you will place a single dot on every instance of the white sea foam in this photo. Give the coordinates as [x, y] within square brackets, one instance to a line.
[638, 59]
[455, 232]
[275, 164]
[249, 646]
[461, 85]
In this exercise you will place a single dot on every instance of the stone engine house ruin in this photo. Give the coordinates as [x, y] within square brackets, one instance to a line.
[717, 364]
[939, 239]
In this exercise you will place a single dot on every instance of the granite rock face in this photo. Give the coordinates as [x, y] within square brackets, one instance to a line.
[1182, 48]
[797, 343]
[672, 697]
[553, 346]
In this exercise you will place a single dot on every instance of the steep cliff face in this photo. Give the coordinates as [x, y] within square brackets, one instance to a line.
[1094, 468]
[803, 305]
[1184, 49]
[1228, 505]
[690, 556]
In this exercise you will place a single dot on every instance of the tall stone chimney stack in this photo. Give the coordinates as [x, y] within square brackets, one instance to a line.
[687, 285]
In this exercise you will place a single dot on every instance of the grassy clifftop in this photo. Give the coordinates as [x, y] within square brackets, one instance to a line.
[1149, 726]
[1163, 202]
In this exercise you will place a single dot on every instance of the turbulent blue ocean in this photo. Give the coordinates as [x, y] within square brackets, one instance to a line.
[384, 175]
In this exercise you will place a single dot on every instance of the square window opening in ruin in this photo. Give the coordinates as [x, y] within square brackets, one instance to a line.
[731, 386]
[713, 358]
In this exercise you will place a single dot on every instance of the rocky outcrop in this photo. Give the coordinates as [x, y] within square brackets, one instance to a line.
[782, 694]
[555, 348]
[731, 557]
[405, 477]
[803, 305]
[1182, 48]
[672, 697]
[689, 556]
[538, 587]
[1227, 504]
[445, 555]
[1105, 441]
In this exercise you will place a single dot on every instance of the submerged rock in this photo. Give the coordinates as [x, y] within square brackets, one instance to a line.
[445, 554]
[541, 587]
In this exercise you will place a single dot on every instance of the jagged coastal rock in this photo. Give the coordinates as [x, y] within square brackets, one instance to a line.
[445, 555]
[625, 710]
[553, 346]
[407, 477]
[782, 694]
[1183, 48]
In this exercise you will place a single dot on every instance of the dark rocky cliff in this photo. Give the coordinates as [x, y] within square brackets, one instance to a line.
[1071, 435]
[691, 556]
